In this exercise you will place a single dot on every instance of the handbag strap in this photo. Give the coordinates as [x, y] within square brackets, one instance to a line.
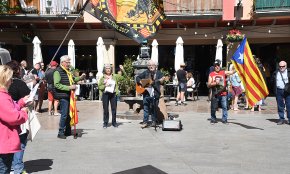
[282, 77]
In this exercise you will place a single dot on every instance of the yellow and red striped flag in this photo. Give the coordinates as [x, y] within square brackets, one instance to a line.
[253, 81]
[73, 112]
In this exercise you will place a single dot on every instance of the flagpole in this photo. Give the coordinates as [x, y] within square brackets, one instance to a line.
[82, 9]
[75, 131]
[75, 116]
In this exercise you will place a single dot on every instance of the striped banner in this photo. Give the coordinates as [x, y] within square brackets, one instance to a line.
[253, 81]
[136, 19]
[73, 112]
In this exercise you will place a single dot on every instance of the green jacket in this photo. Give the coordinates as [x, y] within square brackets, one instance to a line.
[58, 85]
[116, 78]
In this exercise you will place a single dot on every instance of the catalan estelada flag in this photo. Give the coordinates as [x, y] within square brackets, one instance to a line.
[136, 19]
[253, 81]
[73, 113]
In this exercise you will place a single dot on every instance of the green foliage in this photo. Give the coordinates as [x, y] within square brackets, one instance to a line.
[166, 74]
[127, 84]
[4, 6]
[128, 65]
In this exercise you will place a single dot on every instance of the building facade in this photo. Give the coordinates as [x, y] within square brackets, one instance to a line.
[200, 23]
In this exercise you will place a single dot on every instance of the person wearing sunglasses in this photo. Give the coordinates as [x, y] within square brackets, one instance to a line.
[217, 82]
[280, 79]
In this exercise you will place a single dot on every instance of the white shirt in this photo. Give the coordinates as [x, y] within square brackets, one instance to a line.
[279, 81]
[191, 83]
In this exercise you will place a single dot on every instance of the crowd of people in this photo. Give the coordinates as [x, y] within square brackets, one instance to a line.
[60, 80]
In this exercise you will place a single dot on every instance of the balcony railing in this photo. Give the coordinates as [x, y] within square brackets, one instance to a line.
[272, 4]
[59, 7]
[41, 7]
[192, 6]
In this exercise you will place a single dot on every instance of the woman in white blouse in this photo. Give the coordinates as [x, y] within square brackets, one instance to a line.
[190, 82]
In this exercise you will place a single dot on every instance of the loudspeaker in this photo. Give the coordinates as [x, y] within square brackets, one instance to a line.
[171, 125]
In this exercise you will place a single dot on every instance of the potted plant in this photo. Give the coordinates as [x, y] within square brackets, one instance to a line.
[166, 75]
[4, 7]
[127, 83]
[235, 35]
[15, 9]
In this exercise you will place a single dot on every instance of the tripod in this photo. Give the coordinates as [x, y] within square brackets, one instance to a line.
[154, 104]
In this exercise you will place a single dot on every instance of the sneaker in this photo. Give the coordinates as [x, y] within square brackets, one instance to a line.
[105, 125]
[225, 122]
[176, 103]
[56, 114]
[67, 134]
[24, 172]
[61, 136]
[50, 113]
[145, 125]
[183, 103]
[280, 122]
[115, 125]
[213, 121]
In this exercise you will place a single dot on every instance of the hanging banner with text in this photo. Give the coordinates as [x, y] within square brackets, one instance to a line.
[136, 19]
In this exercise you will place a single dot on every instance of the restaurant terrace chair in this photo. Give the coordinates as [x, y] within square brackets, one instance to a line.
[195, 91]
[27, 9]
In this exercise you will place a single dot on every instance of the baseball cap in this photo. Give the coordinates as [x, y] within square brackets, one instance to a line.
[217, 62]
[53, 63]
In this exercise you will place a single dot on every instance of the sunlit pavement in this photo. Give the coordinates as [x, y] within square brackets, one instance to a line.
[252, 142]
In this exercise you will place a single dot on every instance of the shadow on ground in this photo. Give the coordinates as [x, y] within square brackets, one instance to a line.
[240, 124]
[273, 120]
[38, 165]
[80, 132]
[246, 126]
[142, 170]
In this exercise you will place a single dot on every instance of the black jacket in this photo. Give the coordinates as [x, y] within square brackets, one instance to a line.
[57, 93]
[49, 79]
[274, 80]
[18, 89]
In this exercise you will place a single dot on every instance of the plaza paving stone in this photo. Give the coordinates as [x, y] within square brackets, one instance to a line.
[252, 143]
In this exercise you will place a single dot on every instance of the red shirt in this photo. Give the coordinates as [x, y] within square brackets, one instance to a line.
[222, 76]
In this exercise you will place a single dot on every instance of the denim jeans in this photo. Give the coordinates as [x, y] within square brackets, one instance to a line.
[5, 163]
[214, 106]
[109, 97]
[17, 163]
[64, 123]
[150, 105]
[283, 100]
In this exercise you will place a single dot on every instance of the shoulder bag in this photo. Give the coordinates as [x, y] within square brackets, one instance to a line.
[287, 85]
